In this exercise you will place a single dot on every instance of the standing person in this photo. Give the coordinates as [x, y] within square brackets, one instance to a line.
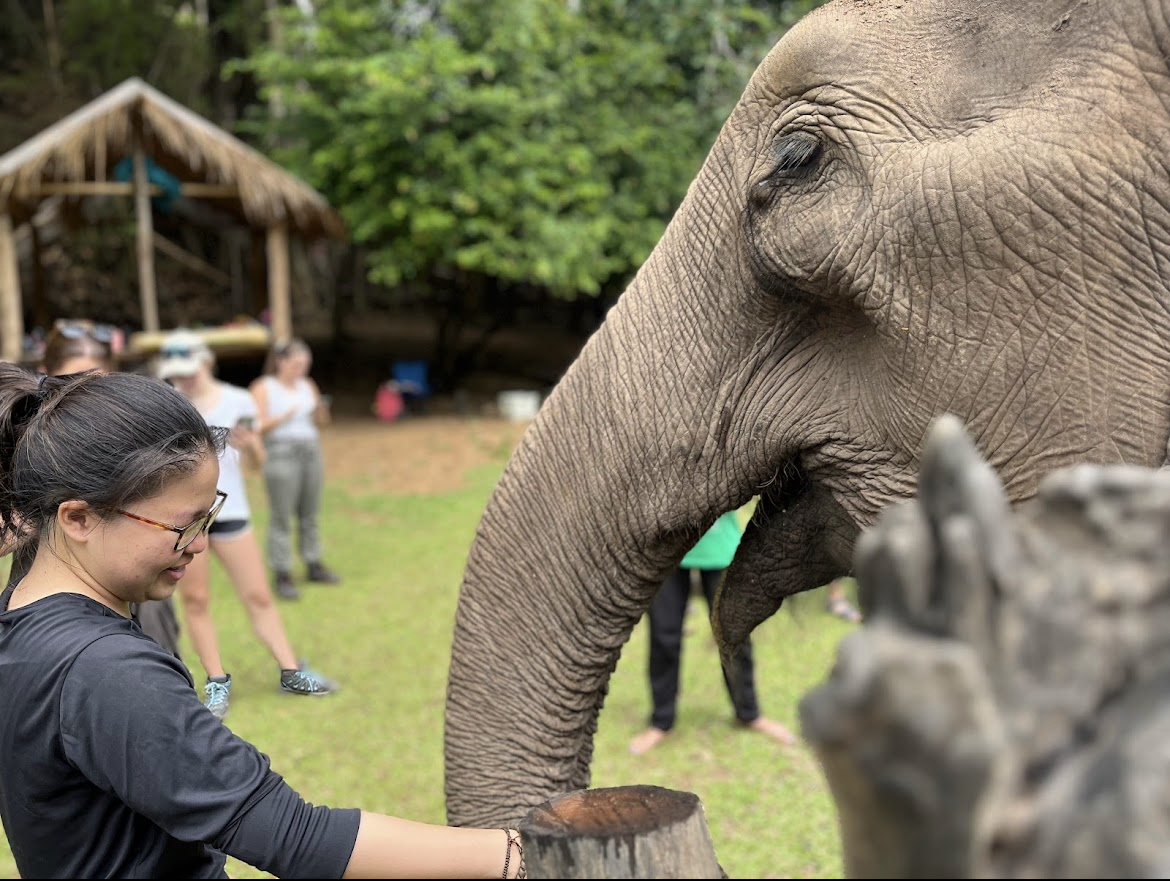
[709, 559]
[110, 767]
[291, 409]
[74, 346]
[187, 362]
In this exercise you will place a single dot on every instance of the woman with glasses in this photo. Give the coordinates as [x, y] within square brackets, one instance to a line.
[74, 346]
[110, 766]
[187, 362]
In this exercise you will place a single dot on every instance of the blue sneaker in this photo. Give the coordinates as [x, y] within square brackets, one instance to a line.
[217, 694]
[306, 681]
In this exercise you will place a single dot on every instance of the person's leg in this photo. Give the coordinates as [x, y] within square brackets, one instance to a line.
[158, 620]
[308, 509]
[666, 616]
[240, 555]
[195, 594]
[838, 604]
[239, 552]
[282, 482]
[308, 501]
[741, 682]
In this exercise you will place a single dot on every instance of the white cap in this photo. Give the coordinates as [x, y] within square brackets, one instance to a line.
[182, 353]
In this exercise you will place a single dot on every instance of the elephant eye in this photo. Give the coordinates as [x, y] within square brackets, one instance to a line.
[794, 156]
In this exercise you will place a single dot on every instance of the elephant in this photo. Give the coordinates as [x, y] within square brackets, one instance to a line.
[917, 207]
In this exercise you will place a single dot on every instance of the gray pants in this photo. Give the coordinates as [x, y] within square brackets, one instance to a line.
[293, 473]
[158, 620]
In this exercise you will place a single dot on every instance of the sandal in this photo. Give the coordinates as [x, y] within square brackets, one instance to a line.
[841, 608]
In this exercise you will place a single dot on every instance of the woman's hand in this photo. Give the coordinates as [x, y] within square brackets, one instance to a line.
[246, 439]
[323, 414]
[240, 437]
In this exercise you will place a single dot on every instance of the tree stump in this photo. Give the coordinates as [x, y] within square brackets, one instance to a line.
[1005, 710]
[621, 832]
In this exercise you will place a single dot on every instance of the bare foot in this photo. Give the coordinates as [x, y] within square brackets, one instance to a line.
[772, 728]
[647, 740]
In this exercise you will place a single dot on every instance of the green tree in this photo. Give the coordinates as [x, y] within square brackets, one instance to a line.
[536, 142]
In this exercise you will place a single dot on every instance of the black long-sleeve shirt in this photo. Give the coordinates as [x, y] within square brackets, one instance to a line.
[110, 766]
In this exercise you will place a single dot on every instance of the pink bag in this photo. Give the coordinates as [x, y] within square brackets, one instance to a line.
[387, 402]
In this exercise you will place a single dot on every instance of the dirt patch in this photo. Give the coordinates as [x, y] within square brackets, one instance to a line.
[418, 454]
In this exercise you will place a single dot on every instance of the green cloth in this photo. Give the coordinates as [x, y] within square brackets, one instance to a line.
[717, 546]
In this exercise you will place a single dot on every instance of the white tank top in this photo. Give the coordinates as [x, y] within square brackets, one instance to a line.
[233, 403]
[280, 398]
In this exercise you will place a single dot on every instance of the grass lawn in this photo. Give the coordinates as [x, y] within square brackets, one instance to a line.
[385, 635]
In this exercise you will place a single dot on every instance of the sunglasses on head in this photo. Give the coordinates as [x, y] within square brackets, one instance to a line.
[179, 352]
[77, 330]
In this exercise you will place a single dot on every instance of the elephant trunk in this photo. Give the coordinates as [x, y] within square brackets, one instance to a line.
[547, 602]
[618, 475]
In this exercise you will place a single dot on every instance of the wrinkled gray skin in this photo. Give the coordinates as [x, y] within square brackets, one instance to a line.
[917, 207]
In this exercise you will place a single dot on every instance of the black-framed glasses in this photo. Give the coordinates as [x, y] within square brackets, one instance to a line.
[77, 330]
[190, 532]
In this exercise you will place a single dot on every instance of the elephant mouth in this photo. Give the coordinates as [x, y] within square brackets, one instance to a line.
[799, 538]
[787, 483]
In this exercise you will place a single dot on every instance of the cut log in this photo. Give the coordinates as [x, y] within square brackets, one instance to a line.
[622, 832]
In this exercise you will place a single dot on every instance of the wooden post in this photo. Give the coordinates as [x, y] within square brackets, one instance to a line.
[622, 832]
[257, 273]
[235, 248]
[279, 296]
[11, 316]
[40, 299]
[145, 222]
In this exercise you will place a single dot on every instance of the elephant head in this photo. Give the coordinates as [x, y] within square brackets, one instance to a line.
[915, 208]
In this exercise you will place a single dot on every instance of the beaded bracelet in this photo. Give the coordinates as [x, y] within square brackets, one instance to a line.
[514, 841]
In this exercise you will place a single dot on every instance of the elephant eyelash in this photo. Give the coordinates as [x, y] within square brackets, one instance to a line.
[795, 156]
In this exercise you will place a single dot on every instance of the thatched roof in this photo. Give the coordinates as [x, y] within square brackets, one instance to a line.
[88, 143]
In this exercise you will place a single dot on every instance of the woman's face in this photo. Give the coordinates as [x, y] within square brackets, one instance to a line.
[190, 385]
[132, 561]
[296, 364]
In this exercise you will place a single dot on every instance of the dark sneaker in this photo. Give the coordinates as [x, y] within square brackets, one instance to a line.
[306, 681]
[285, 589]
[319, 573]
[217, 694]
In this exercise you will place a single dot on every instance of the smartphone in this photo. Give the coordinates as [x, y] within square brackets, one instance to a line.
[247, 422]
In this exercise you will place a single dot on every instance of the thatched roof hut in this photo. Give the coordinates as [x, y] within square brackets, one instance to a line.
[77, 155]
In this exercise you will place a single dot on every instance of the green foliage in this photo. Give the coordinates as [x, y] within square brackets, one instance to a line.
[533, 141]
[105, 41]
[544, 143]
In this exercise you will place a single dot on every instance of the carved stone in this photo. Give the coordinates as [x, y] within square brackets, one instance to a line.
[1005, 710]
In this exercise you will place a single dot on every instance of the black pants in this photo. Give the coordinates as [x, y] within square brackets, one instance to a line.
[667, 614]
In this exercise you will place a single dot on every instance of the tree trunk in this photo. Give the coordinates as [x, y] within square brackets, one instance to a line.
[623, 832]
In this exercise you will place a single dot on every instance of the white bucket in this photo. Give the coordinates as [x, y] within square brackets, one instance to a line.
[518, 405]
